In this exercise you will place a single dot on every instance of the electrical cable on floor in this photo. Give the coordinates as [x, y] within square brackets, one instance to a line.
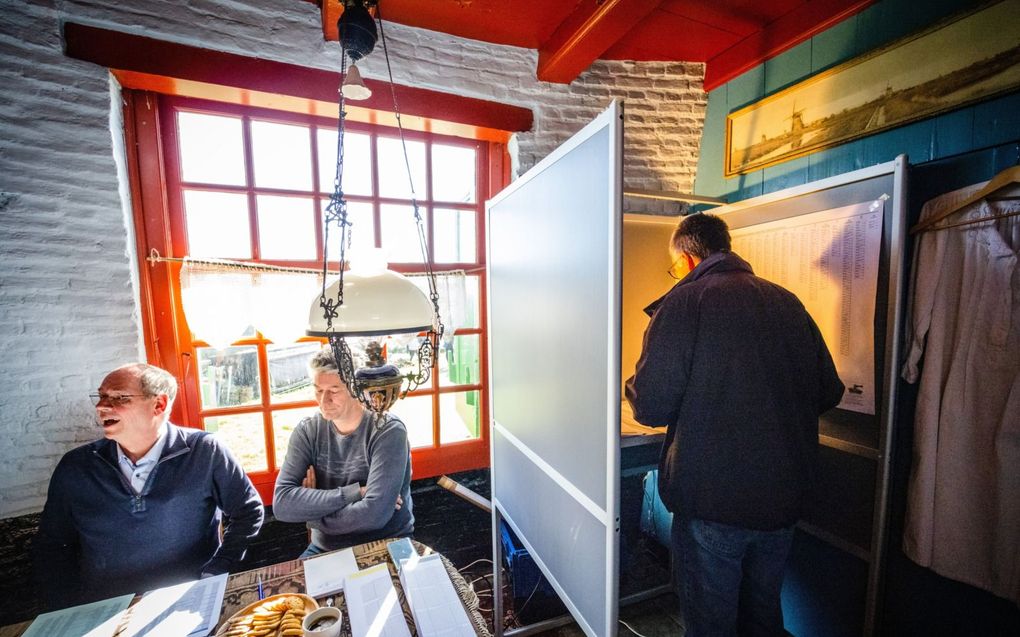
[461, 569]
[482, 577]
[525, 604]
[631, 629]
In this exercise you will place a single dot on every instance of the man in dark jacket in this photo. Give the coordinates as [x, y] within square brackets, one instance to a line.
[141, 508]
[737, 370]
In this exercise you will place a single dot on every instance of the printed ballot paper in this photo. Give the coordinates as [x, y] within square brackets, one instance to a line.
[98, 619]
[437, 610]
[373, 606]
[324, 575]
[191, 609]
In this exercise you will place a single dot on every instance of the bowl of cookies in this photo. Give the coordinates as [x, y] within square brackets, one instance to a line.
[274, 616]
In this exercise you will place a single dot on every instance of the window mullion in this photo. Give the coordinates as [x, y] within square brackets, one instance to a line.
[249, 177]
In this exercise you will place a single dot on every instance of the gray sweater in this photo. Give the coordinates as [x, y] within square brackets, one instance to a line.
[376, 455]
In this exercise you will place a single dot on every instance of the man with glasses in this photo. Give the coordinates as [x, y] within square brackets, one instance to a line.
[737, 371]
[141, 508]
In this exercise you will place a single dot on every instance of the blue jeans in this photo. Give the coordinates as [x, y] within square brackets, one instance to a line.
[311, 551]
[729, 577]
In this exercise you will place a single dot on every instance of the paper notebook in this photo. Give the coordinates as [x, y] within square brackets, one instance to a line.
[437, 610]
[373, 606]
[98, 619]
[324, 575]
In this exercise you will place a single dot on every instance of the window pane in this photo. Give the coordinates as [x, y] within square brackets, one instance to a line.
[244, 435]
[361, 232]
[288, 371]
[454, 232]
[284, 422]
[459, 416]
[471, 304]
[217, 224]
[286, 227]
[400, 234]
[458, 361]
[281, 155]
[212, 150]
[393, 170]
[453, 173]
[416, 413]
[357, 162]
[228, 377]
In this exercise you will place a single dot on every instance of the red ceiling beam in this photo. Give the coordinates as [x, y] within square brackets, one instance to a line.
[128, 52]
[586, 34]
[788, 31]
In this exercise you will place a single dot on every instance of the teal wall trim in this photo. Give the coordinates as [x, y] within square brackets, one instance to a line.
[975, 127]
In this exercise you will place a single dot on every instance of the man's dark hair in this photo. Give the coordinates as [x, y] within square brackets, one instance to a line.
[699, 235]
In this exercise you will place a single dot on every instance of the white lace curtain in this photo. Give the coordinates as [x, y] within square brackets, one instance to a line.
[221, 301]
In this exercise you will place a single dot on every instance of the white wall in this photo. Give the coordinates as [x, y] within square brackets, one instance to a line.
[68, 291]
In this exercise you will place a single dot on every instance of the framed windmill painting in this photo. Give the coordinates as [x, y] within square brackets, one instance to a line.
[965, 59]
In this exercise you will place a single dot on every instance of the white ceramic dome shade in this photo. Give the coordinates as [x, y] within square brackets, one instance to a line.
[385, 302]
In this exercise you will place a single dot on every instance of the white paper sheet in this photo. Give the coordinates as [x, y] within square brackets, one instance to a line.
[98, 619]
[324, 575]
[190, 609]
[829, 259]
[437, 610]
[372, 604]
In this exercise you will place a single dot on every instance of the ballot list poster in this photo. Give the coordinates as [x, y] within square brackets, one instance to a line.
[829, 259]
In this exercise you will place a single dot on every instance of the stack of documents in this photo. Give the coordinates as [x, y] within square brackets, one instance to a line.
[190, 609]
[324, 575]
[98, 619]
[372, 604]
[437, 609]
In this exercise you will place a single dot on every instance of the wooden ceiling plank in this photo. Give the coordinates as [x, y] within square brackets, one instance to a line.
[786, 32]
[331, 12]
[129, 52]
[586, 34]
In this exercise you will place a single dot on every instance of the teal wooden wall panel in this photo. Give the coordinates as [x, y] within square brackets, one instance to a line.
[786, 175]
[913, 139]
[953, 134]
[997, 121]
[834, 46]
[747, 88]
[885, 22]
[1004, 156]
[744, 186]
[788, 68]
[834, 161]
[709, 179]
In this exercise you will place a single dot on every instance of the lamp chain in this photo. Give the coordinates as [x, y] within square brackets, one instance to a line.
[433, 291]
[336, 212]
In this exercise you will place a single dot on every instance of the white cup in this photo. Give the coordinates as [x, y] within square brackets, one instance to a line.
[317, 616]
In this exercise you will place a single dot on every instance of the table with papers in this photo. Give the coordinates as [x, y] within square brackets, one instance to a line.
[288, 577]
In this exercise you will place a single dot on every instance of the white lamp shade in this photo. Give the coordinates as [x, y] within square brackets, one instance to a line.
[354, 87]
[385, 302]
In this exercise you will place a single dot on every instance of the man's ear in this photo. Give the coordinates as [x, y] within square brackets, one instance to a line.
[161, 403]
[691, 261]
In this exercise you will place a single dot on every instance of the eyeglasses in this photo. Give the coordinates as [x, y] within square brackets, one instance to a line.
[672, 269]
[114, 400]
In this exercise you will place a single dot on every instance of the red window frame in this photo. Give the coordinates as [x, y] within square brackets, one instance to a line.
[156, 186]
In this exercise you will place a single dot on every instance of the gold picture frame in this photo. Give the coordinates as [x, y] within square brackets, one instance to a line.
[969, 58]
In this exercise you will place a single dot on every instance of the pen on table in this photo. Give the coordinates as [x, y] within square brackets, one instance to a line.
[261, 594]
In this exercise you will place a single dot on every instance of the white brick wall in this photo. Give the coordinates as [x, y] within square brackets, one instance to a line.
[68, 290]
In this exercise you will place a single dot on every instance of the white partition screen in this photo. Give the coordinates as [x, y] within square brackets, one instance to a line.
[554, 330]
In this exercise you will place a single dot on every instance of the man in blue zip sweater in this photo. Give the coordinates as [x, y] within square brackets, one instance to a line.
[141, 508]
